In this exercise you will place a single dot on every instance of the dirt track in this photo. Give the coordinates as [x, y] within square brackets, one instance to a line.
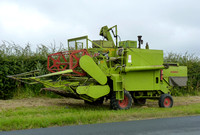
[32, 102]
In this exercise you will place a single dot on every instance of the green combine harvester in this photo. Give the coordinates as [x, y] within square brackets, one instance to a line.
[121, 72]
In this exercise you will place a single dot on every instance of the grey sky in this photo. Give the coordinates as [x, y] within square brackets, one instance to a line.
[170, 25]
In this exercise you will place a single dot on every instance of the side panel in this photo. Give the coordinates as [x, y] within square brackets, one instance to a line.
[141, 80]
[180, 71]
[143, 57]
[95, 91]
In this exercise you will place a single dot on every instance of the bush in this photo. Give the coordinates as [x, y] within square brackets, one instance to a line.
[14, 60]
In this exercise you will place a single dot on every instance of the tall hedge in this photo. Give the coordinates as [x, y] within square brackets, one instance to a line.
[15, 59]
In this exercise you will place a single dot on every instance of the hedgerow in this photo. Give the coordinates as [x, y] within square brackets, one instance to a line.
[14, 60]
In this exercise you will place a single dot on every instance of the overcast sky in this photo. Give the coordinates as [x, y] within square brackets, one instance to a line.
[170, 25]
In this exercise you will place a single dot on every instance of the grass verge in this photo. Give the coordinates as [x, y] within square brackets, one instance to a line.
[47, 116]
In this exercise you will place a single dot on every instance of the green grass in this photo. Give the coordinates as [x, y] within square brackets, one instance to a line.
[37, 117]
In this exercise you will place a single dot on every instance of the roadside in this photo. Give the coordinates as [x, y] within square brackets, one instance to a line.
[44, 101]
[43, 112]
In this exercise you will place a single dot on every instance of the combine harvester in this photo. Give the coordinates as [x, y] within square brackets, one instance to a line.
[119, 71]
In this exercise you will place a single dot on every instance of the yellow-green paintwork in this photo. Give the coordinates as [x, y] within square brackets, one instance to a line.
[95, 91]
[56, 73]
[143, 57]
[175, 71]
[106, 34]
[128, 43]
[117, 86]
[142, 68]
[89, 66]
[103, 66]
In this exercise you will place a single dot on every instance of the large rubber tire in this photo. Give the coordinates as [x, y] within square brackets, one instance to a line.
[97, 102]
[121, 104]
[140, 101]
[165, 101]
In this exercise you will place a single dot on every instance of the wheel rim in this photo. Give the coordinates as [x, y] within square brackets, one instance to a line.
[123, 103]
[167, 102]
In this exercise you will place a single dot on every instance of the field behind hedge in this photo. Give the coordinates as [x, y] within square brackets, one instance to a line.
[15, 59]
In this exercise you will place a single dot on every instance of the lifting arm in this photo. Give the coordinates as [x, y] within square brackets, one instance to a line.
[105, 32]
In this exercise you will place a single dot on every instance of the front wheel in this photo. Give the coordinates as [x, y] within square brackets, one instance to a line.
[165, 101]
[121, 104]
